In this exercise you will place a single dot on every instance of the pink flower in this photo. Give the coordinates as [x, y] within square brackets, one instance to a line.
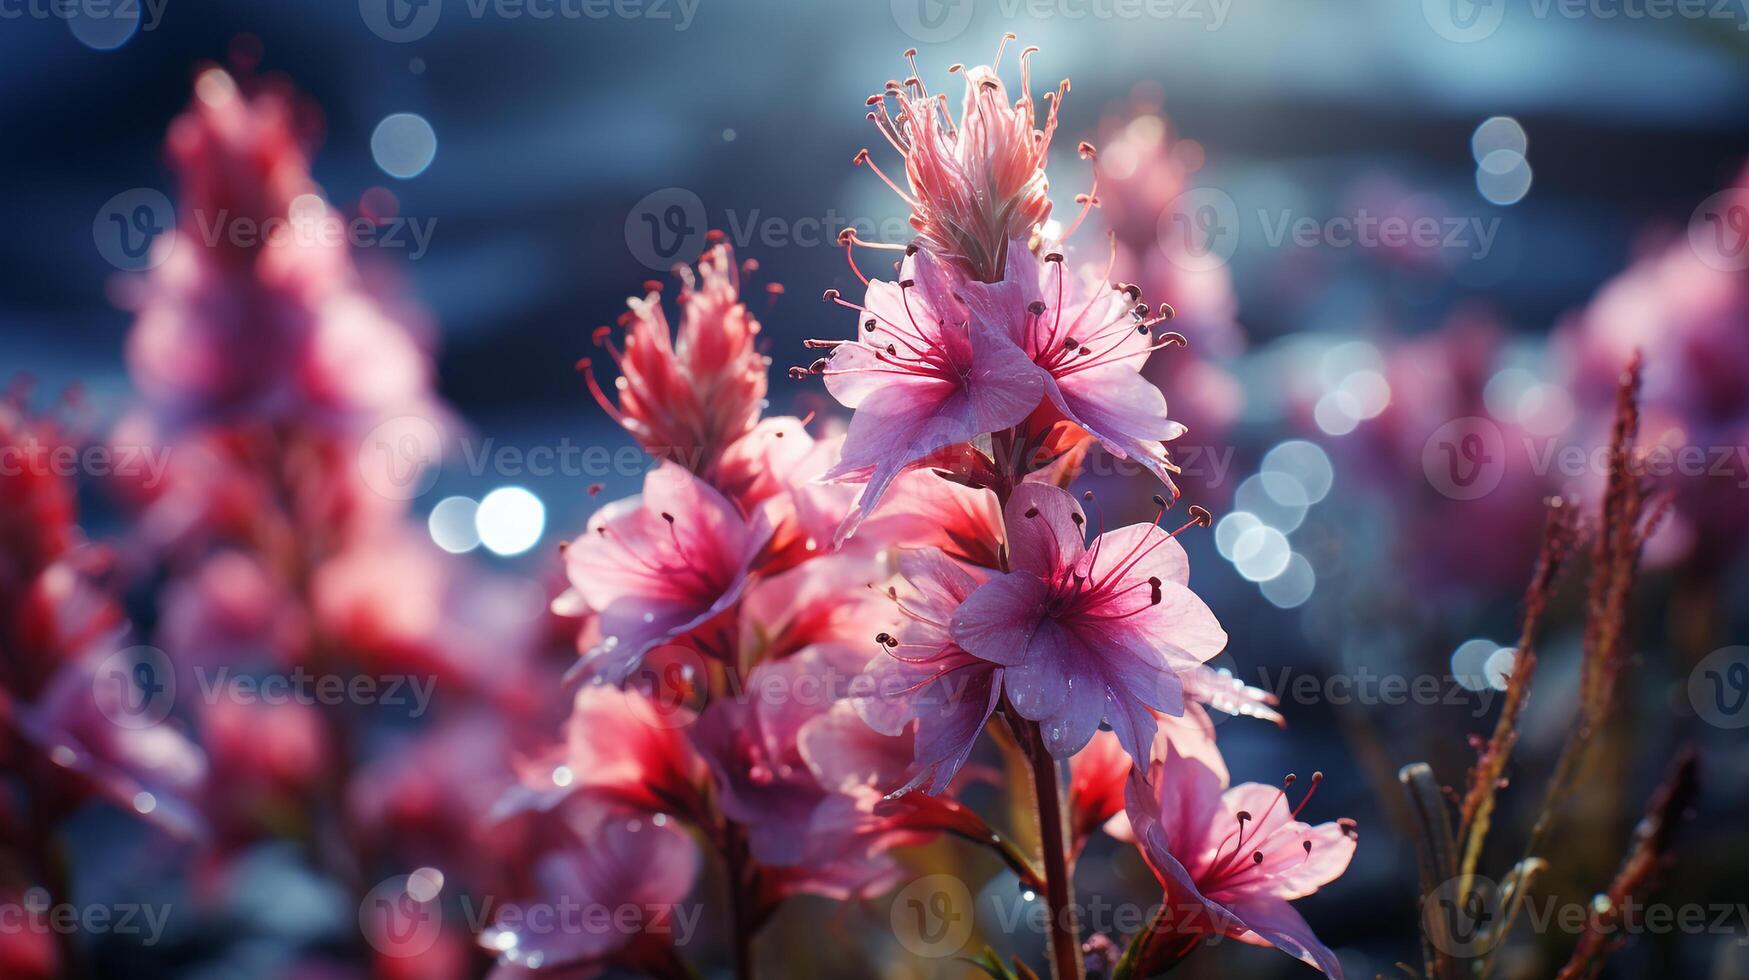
[1088, 634]
[797, 767]
[621, 747]
[926, 678]
[51, 610]
[1097, 776]
[1689, 315]
[428, 798]
[1091, 339]
[689, 396]
[1230, 859]
[922, 376]
[660, 568]
[153, 770]
[621, 884]
[826, 600]
[977, 183]
[271, 324]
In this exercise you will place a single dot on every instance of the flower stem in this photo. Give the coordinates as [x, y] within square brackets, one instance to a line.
[741, 899]
[1064, 931]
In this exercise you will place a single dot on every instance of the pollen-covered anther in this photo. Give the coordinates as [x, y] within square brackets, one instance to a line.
[1200, 515]
[1036, 307]
[1087, 150]
[830, 296]
[1054, 257]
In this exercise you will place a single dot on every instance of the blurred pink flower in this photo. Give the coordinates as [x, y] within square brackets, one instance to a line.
[620, 747]
[428, 798]
[29, 949]
[1230, 859]
[232, 610]
[1143, 170]
[977, 183]
[50, 608]
[145, 767]
[621, 883]
[689, 396]
[1691, 320]
[1088, 634]
[1412, 452]
[275, 322]
[664, 567]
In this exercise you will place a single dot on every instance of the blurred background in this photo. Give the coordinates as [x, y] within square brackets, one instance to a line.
[1377, 220]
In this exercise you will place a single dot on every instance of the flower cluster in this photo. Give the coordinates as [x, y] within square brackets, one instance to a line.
[820, 628]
